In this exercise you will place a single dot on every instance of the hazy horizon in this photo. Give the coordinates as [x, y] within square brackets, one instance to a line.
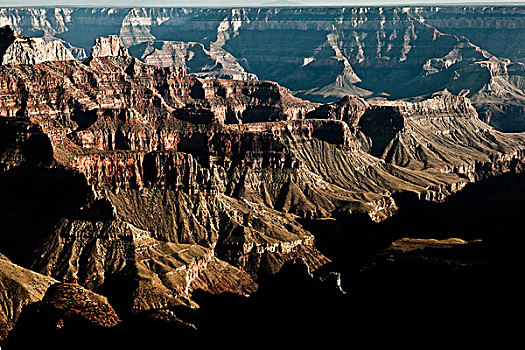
[242, 3]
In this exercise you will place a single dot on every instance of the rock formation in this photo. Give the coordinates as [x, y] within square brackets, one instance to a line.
[108, 46]
[49, 304]
[65, 304]
[19, 287]
[146, 184]
[16, 49]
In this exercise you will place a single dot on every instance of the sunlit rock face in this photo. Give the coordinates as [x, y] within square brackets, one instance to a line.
[16, 49]
[120, 143]
[20, 287]
[108, 46]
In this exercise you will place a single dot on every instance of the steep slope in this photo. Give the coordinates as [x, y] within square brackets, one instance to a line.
[113, 231]
[437, 133]
[42, 304]
[491, 27]
[16, 49]
[19, 287]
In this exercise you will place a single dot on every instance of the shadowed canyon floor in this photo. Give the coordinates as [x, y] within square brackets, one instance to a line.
[138, 199]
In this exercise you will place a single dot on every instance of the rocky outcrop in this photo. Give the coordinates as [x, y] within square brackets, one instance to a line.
[490, 27]
[66, 313]
[99, 129]
[69, 304]
[42, 302]
[108, 46]
[440, 106]
[349, 109]
[16, 49]
[194, 57]
[420, 136]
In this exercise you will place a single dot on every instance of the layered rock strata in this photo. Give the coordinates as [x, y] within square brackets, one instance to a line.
[146, 184]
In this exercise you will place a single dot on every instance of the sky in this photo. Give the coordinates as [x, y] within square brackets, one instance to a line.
[233, 3]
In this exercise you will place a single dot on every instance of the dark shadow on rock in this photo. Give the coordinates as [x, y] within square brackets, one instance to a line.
[490, 210]
[34, 198]
[473, 288]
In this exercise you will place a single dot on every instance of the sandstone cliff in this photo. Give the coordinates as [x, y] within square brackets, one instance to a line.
[108, 46]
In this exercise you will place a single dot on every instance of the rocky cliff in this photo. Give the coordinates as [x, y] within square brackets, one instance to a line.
[44, 304]
[142, 138]
[108, 46]
[16, 49]
[146, 184]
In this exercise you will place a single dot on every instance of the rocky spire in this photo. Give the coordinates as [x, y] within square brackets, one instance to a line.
[108, 46]
[17, 49]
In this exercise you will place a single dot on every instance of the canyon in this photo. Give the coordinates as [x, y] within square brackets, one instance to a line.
[158, 168]
[321, 54]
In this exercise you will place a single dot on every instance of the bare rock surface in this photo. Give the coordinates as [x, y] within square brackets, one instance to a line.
[16, 49]
[19, 287]
[149, 185]
[108, 46]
